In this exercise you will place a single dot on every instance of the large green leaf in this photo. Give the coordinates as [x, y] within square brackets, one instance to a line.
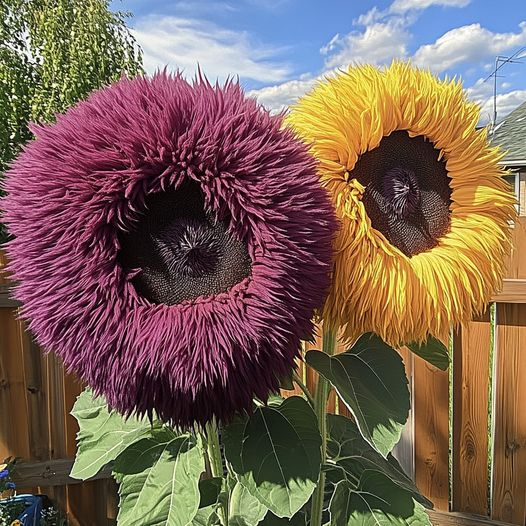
[159, 480]
[209, 494]
[103, 434]
[206, 517]
[370, 379]
[276, 454]
[351, 453]
[432, 351]
[374, 501]
[244, 509]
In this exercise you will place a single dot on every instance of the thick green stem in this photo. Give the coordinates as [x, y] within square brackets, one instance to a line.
[214, 449]
[320, 407]
[216, 462]
[299, 382]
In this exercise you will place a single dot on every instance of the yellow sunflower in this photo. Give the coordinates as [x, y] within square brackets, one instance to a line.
[423, 206]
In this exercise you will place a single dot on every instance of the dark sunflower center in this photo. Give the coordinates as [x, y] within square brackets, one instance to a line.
[188, 248]
[182, 251]
[407, 193]
[400, 187]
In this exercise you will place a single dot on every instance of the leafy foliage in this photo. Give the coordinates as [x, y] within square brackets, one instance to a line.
[271, 460]
[370, 379]
[103, 434]
[354, 455]
[159, 480]
[276, 454]
[52, 54]
[244, 509]
[374, 501]
[433, 351]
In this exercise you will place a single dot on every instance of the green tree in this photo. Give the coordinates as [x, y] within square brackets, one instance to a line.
[52, 54]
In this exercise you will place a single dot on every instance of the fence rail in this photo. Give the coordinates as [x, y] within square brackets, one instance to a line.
[464, 444]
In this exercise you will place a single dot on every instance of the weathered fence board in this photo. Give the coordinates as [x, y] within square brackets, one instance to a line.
[509, 468]
[35, 400]
[488, 466]
[441, 518]
[431, 442]
[471, 366]
[516, 266]
[13, 431]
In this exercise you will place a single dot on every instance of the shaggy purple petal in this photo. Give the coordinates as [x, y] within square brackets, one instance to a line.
[83, 183]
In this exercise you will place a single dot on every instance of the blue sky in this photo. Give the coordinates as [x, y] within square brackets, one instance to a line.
[278, 48]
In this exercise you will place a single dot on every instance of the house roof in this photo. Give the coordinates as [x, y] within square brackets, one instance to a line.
[510, 135]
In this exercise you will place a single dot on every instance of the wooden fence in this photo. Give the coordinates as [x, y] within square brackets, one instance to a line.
[36, 397]
[465, 441]
[464, 445]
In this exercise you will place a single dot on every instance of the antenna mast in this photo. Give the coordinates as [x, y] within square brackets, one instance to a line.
[500, 61]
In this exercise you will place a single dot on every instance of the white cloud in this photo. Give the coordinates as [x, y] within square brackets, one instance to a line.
[401, 6]
[380, 42]
[482, 93]
[279, 97]
[329, 47]
[370, 17]
[506, 103]
[183, 43]
[385, 34]
[467, 44]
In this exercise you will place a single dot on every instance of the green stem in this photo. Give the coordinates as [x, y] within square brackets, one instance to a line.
[320, 408]
[303, 387]
[208, 467]
[216, 461]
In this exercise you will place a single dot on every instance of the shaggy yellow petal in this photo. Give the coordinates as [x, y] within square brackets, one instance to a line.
[376, 287]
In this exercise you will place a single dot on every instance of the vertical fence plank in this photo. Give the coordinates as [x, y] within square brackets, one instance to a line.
[431, 405]
[6, 441]
[57, 423]
[13, 405]
[112, 501]
[516, 264]
[509, 469]
[93, 501]
[471, 364]
[37, 404]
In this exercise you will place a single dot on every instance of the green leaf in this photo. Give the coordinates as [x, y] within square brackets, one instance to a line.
[209, 490]
[276, 454]
[375, 501]
[370, 379]
[432, 351]
[244, 509]
[300, 519]
[159, 480]
[206, 517]
[350, 452]
[103, 435]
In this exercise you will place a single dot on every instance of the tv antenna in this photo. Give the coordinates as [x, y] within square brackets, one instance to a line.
[501, 61]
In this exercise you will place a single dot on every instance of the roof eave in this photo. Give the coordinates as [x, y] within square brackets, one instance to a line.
[513, 162]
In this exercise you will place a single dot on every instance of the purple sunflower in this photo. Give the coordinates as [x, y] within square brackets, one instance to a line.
[171, 242]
